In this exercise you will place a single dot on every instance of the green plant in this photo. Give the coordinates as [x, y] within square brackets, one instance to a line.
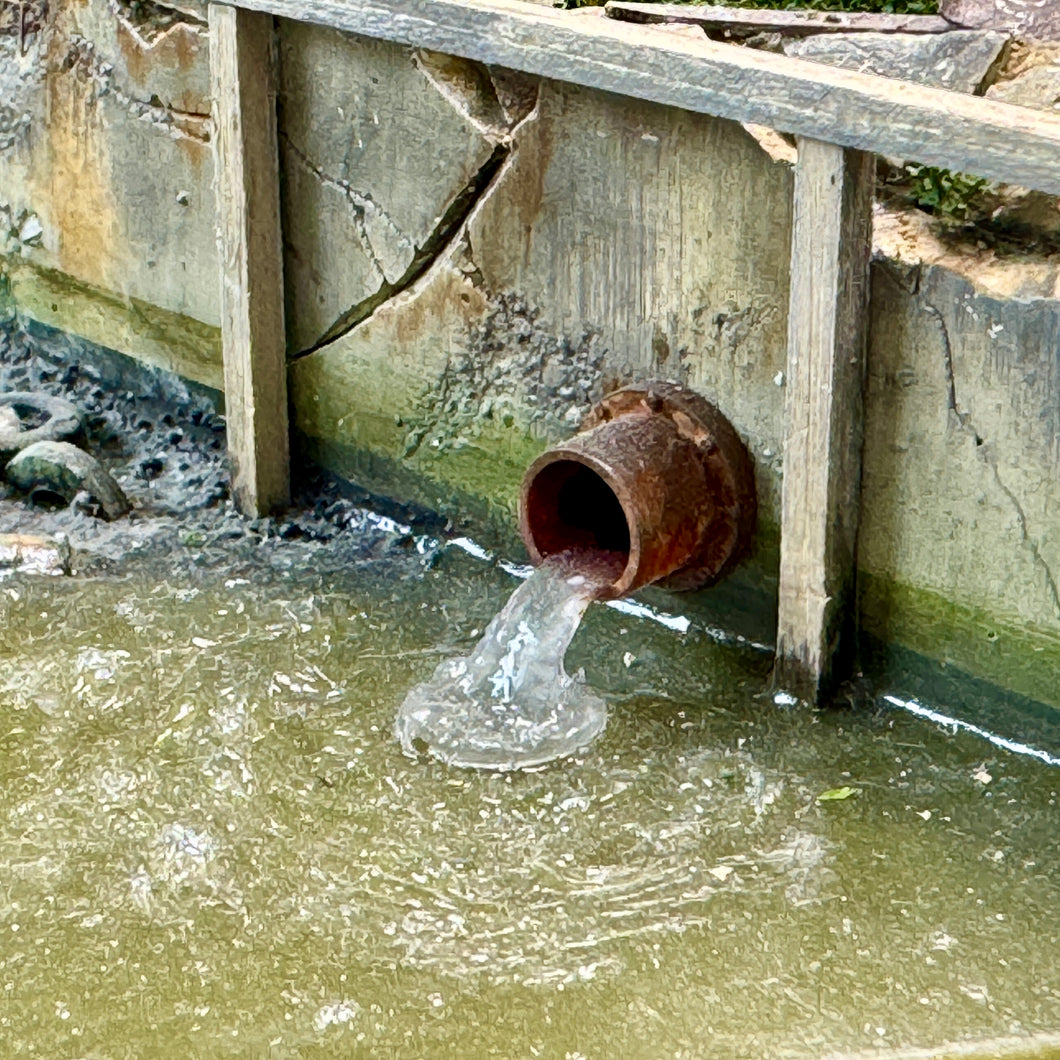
[944, 193]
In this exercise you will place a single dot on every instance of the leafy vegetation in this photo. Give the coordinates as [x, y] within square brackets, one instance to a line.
[944, 193]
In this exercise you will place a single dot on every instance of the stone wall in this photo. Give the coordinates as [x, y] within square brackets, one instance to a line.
[473, 257]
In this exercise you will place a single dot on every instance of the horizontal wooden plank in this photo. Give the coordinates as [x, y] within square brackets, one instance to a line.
[788, 23]
[980, 136]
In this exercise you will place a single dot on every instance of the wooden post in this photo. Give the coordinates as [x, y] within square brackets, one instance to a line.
[242, 64]
[831, 250]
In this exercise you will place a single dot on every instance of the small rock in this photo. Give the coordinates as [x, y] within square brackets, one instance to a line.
[9, 421]
[61, 469]
[958, 61]
[27, 418]
[31, 230]
[1038, 88]
[33, 554]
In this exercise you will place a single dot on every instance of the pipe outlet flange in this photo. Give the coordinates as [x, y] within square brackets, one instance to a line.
[656, 474]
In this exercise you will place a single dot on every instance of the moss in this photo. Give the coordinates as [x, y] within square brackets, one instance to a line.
[7, 298]
[1020, 658]
[488, 517]
[168, 340]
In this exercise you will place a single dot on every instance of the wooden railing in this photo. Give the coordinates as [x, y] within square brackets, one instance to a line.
[841, 118]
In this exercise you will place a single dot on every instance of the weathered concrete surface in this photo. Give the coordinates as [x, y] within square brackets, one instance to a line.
[62, 469]
[960, 534]
[959, 61]
[362, 195]
[608, 248]
[108, 152]
[472, 258]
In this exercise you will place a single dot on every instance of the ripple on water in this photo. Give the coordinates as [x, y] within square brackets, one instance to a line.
[207, 827]
[507, 893]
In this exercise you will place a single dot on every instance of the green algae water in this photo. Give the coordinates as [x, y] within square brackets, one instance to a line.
[211, 843]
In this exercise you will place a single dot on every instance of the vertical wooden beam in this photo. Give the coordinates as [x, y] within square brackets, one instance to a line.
[831, 251]
[242, 68]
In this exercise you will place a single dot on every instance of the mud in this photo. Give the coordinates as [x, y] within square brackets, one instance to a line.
[163, 441]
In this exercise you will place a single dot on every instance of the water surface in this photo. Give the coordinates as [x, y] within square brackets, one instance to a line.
[211, 843]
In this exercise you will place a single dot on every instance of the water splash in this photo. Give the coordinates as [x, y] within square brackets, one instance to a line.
[510, 704]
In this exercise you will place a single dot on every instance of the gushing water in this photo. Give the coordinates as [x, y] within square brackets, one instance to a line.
[510, 704]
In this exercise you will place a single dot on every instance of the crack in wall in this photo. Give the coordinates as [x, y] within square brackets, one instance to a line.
[496, 103]
[468, 89]
[363, 207]
[964, 420]
[149, 22]
[493, 101]
[81, 57]
[426, 255]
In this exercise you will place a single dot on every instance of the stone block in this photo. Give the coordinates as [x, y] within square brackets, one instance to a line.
[959, 60]
[1038, 88]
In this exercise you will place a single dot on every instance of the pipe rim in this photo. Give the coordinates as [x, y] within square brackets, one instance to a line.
[624, 584]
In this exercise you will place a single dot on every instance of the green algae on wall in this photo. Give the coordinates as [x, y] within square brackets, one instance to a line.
[1021, 658]
[168, 340]
[592, 241]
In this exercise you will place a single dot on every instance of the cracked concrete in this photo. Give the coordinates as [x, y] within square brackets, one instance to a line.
[110, 151]
[152, 21]
[989, 454]
[374, 203]
[392, 258]
[962, 461]
[566, 265]
[496, 106]
[83, 61]
[473, 256]
[430, 253]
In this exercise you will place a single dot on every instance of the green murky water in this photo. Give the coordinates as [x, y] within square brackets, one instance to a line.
[211, 845]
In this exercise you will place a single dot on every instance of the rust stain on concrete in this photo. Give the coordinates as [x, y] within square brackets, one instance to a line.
[77, 181]
[177, 48]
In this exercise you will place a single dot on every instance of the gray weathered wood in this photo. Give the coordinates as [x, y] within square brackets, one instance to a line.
[787, 23]
[250, 245]
[845, 107]
[831, 250]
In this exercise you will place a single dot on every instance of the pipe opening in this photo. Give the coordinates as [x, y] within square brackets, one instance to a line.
[569, 506]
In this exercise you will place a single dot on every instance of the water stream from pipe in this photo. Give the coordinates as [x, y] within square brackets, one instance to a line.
[510, 704]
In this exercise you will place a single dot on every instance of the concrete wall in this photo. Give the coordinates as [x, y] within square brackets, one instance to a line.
[104, 147]
[473, 257]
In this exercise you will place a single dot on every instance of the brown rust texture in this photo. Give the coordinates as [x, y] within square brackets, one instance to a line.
[682, 478]
[77, 183]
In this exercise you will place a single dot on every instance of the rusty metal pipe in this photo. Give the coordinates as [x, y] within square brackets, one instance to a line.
[657, 475]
